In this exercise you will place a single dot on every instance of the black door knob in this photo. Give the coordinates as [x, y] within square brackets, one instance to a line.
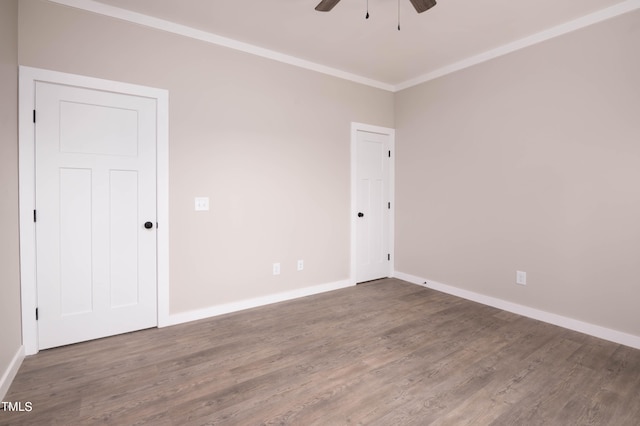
[148, 225]
[360, 214]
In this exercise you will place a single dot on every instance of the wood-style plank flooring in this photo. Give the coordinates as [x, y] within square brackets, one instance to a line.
[381, 353]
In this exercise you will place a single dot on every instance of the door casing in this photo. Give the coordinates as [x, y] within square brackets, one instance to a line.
[28, 77]
[355, 128]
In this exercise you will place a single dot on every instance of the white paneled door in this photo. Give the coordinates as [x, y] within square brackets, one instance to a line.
[95, 213]
[373, 206]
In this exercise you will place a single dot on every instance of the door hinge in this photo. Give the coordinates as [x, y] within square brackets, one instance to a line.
[389, 150]
[34, 115]
[389, 256]
[389, 205]
[35, 217]
[36, 314]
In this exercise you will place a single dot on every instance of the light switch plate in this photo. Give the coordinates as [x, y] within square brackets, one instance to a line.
[202, 204]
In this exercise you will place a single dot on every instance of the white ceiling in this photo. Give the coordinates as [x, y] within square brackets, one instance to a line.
[448, 34]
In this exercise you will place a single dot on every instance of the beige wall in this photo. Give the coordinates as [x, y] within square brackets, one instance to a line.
[530, 162]
[266, 141]
[10, 328]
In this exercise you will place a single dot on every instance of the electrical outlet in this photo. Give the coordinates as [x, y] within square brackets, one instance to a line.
[276, 269]
[202, 204]
[300, 265]
[521, 278]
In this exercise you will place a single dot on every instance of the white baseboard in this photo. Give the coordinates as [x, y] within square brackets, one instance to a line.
[559, 320]
[227, 308]
[10, 373]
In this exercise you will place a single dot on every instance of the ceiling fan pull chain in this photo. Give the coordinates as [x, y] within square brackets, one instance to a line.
[398, 15]
[367, 16]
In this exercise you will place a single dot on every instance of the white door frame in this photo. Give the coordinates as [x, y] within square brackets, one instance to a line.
[355, 128]
[26, 149]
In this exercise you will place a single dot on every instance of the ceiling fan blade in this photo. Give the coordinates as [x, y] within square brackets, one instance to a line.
[326, 5]
[423, 5]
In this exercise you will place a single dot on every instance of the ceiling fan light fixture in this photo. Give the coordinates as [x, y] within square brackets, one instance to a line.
[423, 5]
[419, 5]
[326, 5]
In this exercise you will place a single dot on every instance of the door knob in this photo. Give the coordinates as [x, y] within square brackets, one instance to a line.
[360, 214]
[148, 225]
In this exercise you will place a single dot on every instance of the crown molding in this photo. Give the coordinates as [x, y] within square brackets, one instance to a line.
[567, 27]
[186, 31]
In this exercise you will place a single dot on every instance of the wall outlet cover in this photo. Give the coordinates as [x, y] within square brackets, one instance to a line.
[201, 204]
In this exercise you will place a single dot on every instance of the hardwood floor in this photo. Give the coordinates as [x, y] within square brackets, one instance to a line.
[381, 353]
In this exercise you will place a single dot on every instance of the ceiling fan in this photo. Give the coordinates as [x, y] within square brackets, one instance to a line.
[420, 5]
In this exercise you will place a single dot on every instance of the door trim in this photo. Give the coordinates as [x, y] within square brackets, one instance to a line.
[355, 128]
[28, 77]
